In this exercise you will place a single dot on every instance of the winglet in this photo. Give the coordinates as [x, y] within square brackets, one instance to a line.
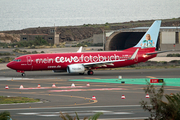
[134, 55]
[80, 49]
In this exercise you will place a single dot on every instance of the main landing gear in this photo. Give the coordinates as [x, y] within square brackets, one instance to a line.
[90, 72]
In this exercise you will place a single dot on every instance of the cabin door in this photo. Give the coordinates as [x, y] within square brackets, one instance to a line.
[29, 62]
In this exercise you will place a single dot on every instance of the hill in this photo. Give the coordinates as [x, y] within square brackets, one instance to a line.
[76, 33]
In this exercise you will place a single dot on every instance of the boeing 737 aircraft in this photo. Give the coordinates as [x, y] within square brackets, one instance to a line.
[80, 62]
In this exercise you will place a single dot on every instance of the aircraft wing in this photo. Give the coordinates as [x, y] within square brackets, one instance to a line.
[101, 64]
[80, 49]
[105, 63]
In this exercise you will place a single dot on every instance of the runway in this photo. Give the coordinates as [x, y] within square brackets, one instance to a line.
[109, 112]
[78, 99]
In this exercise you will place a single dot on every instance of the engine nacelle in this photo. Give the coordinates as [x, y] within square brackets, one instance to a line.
[75, 68]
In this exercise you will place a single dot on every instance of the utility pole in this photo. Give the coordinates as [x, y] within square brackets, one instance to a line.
[103, 39]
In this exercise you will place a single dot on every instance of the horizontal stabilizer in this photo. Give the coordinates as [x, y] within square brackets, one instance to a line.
[158, 52]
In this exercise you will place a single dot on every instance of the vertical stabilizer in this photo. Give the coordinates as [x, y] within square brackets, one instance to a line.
[151, 36]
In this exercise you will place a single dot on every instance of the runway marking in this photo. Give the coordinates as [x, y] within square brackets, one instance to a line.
[71, 113]
[36, 88]
[90, 78]
[28, 113]
[14, 78]
[100, 89]
[36, 80]
[20, 103]
[150, 77]
[74, 107]
[129, 92]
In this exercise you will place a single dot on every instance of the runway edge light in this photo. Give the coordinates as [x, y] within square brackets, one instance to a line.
[39, 86]
[123, 97]
[120, 77]
[93, 98]
[73, 85]
[6, 87]
[21, 87]
[88, 85]
[147, 95]
[53, 85]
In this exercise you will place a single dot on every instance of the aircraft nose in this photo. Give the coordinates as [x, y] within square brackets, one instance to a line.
[10, 65]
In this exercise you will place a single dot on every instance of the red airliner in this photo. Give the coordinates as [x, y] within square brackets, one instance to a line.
[80, 62]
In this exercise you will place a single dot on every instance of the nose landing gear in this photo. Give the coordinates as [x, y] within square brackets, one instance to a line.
[23, 74]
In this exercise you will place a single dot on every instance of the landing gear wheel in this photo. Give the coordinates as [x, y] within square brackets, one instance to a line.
[81, 73]
[90, 72]
[23, 74]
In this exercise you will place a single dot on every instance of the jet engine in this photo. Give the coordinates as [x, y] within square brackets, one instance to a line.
[75, 68]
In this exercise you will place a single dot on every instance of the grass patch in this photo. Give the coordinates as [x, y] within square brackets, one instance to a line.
[6, 59]
[11, 100]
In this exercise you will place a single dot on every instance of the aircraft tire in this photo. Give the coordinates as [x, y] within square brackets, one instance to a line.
[90, 72]
[23, 74]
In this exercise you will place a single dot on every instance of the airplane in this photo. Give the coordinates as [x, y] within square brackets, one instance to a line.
[79, 62]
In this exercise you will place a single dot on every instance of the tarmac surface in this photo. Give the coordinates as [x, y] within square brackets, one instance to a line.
[78, 99]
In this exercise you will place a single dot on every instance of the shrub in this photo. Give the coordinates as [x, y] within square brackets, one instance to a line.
[5, 115]
[173, 55]
[159, 109]
[37, 42]
[34, 52]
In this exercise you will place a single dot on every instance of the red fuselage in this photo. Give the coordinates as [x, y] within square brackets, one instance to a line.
[60, 61]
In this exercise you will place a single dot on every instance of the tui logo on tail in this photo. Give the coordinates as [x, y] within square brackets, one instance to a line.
[147, 42]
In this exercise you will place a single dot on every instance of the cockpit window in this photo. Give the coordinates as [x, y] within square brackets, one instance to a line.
[17, 60]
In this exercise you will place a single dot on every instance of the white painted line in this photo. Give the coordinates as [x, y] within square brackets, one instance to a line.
[80, 113]
[21, 103]
[104, 111]
[27, 113]
[133, 118]
[120, 113]
[48, 115]
[22, 78]
[73, 107]
[14, 78]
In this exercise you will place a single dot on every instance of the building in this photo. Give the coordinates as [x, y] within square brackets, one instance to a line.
[52, 37]
[169, 38]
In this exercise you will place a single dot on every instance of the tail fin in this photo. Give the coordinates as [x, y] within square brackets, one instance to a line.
[150, 38]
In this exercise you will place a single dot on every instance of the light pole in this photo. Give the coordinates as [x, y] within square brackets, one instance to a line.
[103, 39]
